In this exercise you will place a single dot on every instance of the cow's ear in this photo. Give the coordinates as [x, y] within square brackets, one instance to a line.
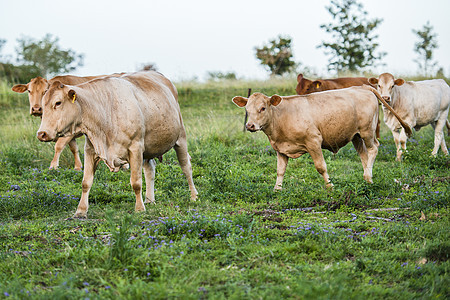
[240, 101]
[399, 81]
[316, 84]
[72, 95]
[275, 100]
[20, 88]
[373, 80]
[299, 77]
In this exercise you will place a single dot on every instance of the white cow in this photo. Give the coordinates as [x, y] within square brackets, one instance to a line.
[418, 103]
[129, 119]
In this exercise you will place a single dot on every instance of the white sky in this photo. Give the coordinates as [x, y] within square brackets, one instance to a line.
[188, 38]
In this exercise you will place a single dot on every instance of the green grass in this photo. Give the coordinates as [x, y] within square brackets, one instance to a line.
[240, 240]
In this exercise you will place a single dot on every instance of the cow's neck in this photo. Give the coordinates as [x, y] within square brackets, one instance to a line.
[270, 129]
[98, 127]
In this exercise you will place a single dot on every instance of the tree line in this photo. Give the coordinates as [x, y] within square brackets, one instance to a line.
[353, 45]
[353, 48]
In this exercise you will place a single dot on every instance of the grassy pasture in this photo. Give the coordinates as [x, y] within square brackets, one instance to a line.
[240, 240]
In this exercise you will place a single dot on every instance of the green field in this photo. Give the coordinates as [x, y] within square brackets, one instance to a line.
[240, 240]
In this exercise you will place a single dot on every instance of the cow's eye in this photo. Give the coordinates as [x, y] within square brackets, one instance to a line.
[262, 109]
[57, 104]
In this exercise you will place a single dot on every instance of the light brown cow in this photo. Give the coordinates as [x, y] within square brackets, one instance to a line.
[36, 89]
[418, 103]
[306, 86]
[296, 125]
[129, 119]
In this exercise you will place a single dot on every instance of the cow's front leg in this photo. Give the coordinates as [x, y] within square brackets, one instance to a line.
[60, 144]
[149, 173]
[319, 163]
[74, 148]
[282, 161]
[402, 140]
[136, 160]
[396, 136]
[91, 160]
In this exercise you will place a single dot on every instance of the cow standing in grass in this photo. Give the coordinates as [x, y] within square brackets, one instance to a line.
[296, 125]
[36, 89]
[306, 86]
[127, 120]
[418, 103]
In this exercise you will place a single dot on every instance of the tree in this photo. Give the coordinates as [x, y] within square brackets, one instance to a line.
[424, 48]
[354, 44]
[2, 43]
[217, 76]
[47, 56]
[277, 56]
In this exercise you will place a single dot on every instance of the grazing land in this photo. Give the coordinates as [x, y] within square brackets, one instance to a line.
[241, 239]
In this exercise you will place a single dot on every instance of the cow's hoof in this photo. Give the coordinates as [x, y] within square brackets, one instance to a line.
[278, 188]
[79, 215]
[149, 201]
[139, 209]
[330, 186]
[78, 168]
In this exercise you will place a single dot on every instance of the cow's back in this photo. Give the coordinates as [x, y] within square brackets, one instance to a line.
[344, 82]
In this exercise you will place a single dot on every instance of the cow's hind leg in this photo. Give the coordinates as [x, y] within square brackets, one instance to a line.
[370, 144]
[319, 163]
[439, 139]
[74, 148]
[149, 173]
[360, 147]
[90, 165]
[185, 163]
[136, 161]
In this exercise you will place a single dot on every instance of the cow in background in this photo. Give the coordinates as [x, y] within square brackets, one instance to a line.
[418, 103]
[306, 86]
[36, 89]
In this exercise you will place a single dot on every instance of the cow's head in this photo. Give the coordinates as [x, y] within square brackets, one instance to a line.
[61, 112]
[259, 109]
[36, 89]
[306, 86]
[385, 83]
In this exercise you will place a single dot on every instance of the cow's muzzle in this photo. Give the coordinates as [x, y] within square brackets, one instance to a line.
[386, 98]
[36, 111]
[251, 127]
[43, 136]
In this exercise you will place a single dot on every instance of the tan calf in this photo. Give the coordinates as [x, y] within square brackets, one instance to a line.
[296, 125]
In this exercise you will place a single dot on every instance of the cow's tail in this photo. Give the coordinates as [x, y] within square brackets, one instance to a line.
[448, 127]
[408, 130]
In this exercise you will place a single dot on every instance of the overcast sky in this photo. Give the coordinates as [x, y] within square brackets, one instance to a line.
[188, 38]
